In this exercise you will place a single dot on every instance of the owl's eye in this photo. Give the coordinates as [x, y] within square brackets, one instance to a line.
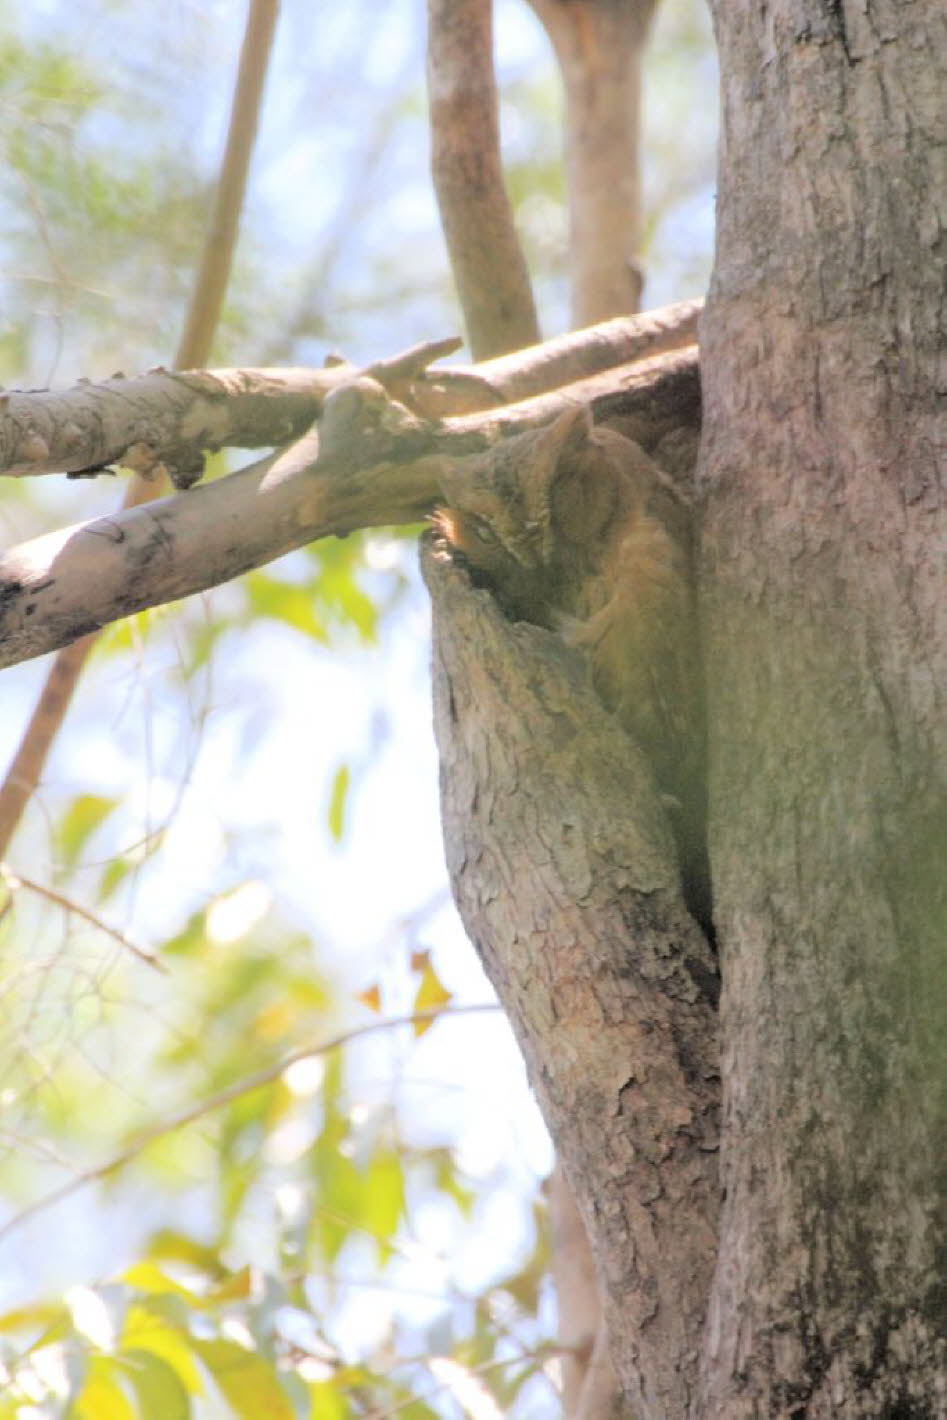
[483, 532]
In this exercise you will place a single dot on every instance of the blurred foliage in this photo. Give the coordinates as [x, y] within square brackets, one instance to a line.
[284, 1230]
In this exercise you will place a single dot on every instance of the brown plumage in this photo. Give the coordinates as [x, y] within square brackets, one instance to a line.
[577, 529]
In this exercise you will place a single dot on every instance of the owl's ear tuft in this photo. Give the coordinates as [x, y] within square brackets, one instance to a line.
[553, 453]
[562, 440]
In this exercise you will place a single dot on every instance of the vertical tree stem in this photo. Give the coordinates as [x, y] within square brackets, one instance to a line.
[598, 44]
[487, 261]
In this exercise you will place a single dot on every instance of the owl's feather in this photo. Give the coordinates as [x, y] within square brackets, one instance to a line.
[577, 529]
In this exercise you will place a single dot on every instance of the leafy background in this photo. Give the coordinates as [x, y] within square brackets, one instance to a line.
[246, 786]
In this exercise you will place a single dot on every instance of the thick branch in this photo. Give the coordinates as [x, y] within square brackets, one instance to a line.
[460, 389]
[159, 419]
[487, 260]
[170, 420]
[377, 465]
[564, 871]
[647, 400]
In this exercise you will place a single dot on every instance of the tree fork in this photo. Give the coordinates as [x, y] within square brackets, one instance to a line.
[376, 464]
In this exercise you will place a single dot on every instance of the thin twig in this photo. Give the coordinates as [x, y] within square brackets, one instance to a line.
[210, 284]
[14, 879]
[540, 1353]
[223, 1097]
[213, 272]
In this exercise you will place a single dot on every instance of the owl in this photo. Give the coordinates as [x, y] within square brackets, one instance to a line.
[576, 529]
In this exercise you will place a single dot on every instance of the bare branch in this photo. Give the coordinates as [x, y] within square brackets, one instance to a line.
[463, 389]
[647, 399]
[487, 260]
[48, 714]
[169, 420]
[377, 465]
[161, 420]
[579, 1306]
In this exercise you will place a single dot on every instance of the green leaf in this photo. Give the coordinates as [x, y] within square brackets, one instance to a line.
[102, 1396]
[158, 1388]
[284, 601]
[247, 1381]
[113, 875]
[76, 826]
[447, 1180]
[328, 1401]
[384, 1194]
[148, 1329]
[337, 802]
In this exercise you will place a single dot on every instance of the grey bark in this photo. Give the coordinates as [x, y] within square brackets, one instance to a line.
[564, 871]
[375, 464]
[166, 419]
[823, 598]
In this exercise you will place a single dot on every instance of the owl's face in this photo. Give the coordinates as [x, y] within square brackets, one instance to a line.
[497, 551]
[498, 519]
[504, 516]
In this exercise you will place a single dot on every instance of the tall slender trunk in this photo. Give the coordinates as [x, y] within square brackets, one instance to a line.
[825, 656]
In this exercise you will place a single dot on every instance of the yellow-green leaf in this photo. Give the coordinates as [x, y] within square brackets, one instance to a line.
[43, 1314]
[383, 1205]
[102, 1396]
[337, 801]
[149, 1277]
[431, 995]
[78, 823]
[328, 1402]
[147, 1329]
[247, 1381]
[158, 1388]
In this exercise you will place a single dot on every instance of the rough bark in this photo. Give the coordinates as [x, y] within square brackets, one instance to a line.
[563, 867]
[823, 607]
[598, 44]
[170, 419]
[487, 261]
[465, 389]
[590, 1388]
[376, 464]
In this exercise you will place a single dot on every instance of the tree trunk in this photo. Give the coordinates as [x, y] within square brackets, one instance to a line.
[824, 655]
[564, 871]
[824, 652]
